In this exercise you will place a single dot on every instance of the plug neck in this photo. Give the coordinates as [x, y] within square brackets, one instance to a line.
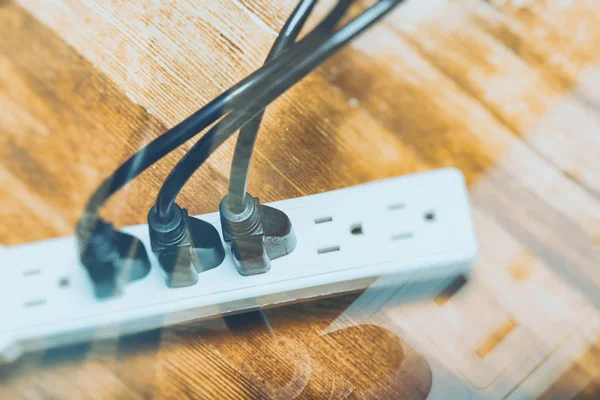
[167, 231]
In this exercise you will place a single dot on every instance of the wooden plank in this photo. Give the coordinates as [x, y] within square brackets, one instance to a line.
[59, 108]
[558, 126]
[409, 95]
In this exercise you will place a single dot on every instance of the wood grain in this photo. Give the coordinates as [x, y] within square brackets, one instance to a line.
[507, 91]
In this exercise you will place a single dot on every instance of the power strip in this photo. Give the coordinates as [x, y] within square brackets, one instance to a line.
[395, 228]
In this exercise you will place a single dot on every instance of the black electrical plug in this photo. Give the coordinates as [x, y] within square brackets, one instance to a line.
[184, 246]
[111, 258]
[256, 234]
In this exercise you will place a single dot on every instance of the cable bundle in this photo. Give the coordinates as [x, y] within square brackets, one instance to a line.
[240, 107]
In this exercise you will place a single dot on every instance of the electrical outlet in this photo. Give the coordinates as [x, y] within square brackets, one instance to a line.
[395, 228]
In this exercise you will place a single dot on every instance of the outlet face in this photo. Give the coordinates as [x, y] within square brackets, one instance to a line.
[394, 228]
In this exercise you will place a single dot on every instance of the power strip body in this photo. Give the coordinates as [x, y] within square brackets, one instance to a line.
[396, 228]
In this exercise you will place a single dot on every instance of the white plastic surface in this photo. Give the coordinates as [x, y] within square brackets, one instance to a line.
[46, 299]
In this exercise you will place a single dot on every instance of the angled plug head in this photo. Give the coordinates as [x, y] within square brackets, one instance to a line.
[257, 234]
[280, 239]
[111, 258]
[184, 246]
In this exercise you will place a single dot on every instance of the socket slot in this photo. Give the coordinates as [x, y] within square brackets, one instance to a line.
[356, 229]
[32, 272]
[64, 282]
[330, 249]
[35, 303]
[402, 236]
[429, 216]
[323, 220]
[396, 207]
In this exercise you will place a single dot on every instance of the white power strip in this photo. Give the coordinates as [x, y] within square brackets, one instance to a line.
[394, 228]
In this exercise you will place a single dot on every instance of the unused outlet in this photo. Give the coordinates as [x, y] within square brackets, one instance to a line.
[330, 249]
[356, 229]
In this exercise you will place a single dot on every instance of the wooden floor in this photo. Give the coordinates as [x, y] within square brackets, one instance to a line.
[507, 91]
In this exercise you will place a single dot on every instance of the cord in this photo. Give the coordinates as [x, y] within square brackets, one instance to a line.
[242, 155]
[273, 88]
[173, 185]
[237, 95]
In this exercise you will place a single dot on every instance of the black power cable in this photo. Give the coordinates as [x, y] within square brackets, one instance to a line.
[211, 141]
[237, 95]
[271, 89]
[240, 164]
